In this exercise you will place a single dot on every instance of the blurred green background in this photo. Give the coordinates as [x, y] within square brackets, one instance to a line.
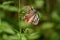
[12, 26]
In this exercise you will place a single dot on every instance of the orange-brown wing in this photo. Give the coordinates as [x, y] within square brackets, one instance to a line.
[29, 18]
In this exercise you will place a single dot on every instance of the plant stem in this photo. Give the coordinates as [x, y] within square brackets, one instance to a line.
[19, 21]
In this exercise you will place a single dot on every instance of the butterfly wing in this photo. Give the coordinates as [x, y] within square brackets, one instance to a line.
[29, 18]
[32, 16]
[36, 20]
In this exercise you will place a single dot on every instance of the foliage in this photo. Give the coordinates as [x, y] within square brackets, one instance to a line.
[12, 26]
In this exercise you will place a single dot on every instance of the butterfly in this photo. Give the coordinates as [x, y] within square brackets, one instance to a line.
[31, 16]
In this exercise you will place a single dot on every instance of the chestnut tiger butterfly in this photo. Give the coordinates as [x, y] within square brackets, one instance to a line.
[31, 16]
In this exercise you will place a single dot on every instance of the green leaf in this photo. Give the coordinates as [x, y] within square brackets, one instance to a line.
[28, 31]
[35, 35]
[11, 37]
[9, 8]
[7, 2]
[47, 25]
[23, 9]
[5, 37]
[23, 37]
[14, 37]
[55, 16]
[39, 3]
[7, 28]
[22, 24]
